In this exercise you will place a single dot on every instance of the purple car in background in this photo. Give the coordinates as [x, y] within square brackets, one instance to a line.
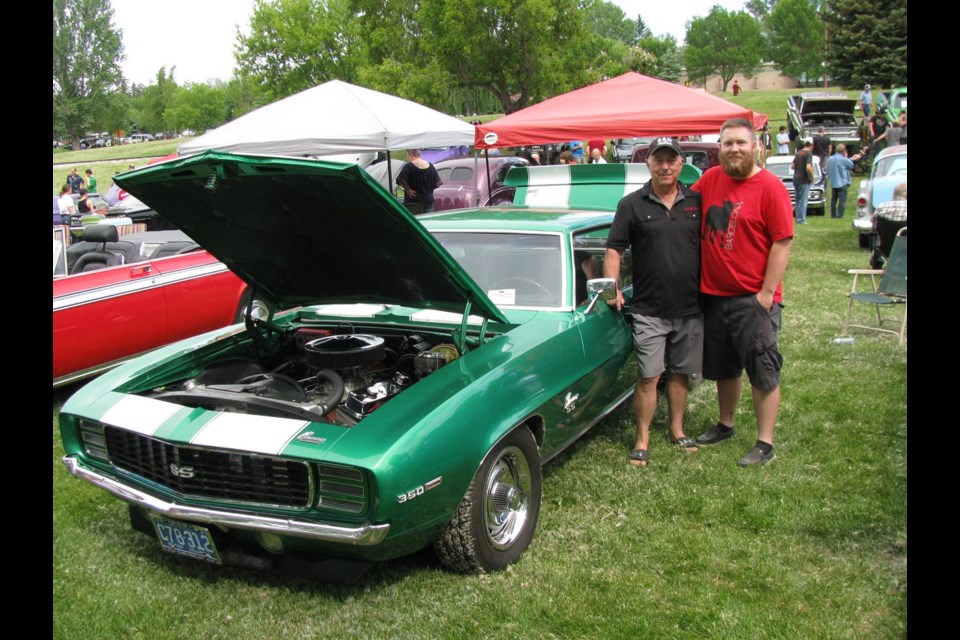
[433, 155]
[464, 175]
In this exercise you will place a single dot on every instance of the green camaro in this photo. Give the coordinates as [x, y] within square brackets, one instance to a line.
[403, 387]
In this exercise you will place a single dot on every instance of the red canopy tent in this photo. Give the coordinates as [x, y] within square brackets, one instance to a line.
[631, 105]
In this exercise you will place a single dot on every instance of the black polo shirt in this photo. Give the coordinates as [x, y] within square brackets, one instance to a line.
[666, 251]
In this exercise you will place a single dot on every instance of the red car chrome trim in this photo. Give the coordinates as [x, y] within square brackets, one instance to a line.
[143, 284]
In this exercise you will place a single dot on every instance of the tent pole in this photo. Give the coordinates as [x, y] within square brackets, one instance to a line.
[392, 188]
[486, 156]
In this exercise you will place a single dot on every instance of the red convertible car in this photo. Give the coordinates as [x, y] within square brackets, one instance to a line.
[127, 295]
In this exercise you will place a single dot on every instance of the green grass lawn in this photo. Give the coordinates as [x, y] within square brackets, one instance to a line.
[813, 545]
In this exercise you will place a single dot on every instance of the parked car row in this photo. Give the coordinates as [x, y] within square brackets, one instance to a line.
[702, 155]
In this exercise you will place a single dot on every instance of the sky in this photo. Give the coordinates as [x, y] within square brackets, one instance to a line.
[197, 36]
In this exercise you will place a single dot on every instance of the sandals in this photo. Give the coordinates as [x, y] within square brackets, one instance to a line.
[686, 444]
[639, 457]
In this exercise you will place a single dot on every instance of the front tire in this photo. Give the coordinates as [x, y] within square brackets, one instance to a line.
[494, 523]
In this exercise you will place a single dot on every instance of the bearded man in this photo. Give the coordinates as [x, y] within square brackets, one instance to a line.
[745, 245]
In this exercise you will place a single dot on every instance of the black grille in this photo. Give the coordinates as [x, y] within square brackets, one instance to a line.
[218, 475]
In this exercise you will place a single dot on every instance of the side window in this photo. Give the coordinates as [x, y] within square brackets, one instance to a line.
[461, 174]
[589, 249]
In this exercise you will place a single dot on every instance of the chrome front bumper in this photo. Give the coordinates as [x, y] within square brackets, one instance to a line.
[366, 535]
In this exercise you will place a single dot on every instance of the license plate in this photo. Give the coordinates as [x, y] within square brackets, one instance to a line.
[186, 540]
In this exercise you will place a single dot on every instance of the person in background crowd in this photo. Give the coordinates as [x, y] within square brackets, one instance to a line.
[535, 159]
[822, 147]
[418, 178]
[878, 130]
[783, 142]
[890, 217]
[566, 157]
[744, 249]
[736, 88]
[866, 101]
[74, 180]
[839, 167]
[91, 181]
[802, 179]
[894, 133]
[576, 148]
[65, 204]
[903, 125]
[596, 157]
[660, 224]
[766, 145]
[83, 204]
[597, 144]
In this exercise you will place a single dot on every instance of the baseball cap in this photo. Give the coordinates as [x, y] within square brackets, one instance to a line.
[660, 143]
[867, 87]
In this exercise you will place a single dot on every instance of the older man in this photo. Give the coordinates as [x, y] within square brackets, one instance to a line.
[747, 233]
[660, 224]
[890, 217]
[838, 169]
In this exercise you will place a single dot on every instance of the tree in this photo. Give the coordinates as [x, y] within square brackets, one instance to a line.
[759, 9]
[796, 38]
[296, 44]
[868, 42]
[660, 55]
[521, 51]
[723, 43]
[243, 95]
[398, 57]
[609, 21]
[155, 101]
[197, 106]
[642, 29]
[87, 80]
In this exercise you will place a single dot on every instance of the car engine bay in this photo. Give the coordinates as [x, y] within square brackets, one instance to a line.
[316, 374]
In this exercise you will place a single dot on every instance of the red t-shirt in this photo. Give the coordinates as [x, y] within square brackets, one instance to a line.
[595, 144]
[741, 221]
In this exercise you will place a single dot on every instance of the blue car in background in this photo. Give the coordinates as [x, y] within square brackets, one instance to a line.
[889, 170]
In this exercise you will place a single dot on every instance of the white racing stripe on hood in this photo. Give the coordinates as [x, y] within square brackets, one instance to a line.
[637, 176]
[139, 414]
[257, 434]
[549, 187]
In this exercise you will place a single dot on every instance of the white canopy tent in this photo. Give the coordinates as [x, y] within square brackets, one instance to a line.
[334, 118]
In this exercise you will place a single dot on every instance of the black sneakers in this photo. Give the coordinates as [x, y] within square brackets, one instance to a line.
[756, 456]
[717, 433]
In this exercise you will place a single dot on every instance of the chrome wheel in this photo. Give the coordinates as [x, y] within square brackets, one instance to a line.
[507, 498]
[496, 519]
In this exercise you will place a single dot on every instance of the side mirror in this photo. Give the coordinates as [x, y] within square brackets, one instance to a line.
[600, 289]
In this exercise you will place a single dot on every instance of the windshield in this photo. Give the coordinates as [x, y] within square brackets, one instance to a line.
[514, 269]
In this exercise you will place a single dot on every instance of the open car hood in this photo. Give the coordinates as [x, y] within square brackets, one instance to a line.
[827, 105]
[307, 231]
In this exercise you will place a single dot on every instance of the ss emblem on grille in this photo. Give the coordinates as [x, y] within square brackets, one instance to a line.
[181, 472]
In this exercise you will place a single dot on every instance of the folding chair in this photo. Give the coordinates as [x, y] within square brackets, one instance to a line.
[892, 290]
